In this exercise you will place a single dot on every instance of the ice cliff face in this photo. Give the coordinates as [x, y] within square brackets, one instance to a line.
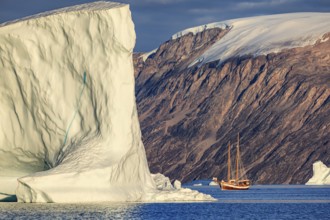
[321, 174]
[69, 123]
[68, 105]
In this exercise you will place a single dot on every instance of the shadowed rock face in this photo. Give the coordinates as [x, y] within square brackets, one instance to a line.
[279, 104]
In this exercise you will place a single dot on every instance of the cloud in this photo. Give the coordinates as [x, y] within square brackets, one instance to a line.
[262, 4]
[164, 2]
[153, 2]
[203, 11]
[205, 20]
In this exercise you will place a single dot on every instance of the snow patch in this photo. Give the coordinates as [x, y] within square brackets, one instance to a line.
[321, 174]
[146, 55]
[324, 40]
[262, 35]
[201, 28]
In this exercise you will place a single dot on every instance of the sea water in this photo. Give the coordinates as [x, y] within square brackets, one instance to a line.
[260, 202]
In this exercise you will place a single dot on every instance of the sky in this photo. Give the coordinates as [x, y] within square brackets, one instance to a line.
[157, 20]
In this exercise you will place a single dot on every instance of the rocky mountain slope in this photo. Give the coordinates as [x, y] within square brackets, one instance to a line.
[279, 103]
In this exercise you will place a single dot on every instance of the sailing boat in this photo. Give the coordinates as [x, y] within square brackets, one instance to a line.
[239, 183]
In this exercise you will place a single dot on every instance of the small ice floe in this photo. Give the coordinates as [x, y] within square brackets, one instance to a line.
[212, 183]
[321, 174]
[168, 192]
[197, 184]
[177, 184]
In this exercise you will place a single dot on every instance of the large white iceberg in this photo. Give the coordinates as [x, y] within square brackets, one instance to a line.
[69, 129]
[321, 174]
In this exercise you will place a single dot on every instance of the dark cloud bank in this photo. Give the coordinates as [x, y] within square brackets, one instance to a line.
[156, 20]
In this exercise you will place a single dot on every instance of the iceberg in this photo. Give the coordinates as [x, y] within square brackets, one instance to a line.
[168, 192]
[321, 174]
[213, 183]
[70, 129]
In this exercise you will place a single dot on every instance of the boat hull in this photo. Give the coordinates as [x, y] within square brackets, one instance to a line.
[228, 186]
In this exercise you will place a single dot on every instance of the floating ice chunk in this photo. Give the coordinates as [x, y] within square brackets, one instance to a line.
[198, 184]
[321, 174]
[177, 184]
[166, 192]
[162, 182]
[212, 183]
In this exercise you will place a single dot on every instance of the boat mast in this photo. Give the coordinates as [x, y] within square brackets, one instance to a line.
[237, 157]
[228, 174]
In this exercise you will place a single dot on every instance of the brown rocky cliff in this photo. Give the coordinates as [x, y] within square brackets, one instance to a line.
[279, 104]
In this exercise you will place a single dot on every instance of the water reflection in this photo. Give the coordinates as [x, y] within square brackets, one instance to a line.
[70, 211]
[260, 202]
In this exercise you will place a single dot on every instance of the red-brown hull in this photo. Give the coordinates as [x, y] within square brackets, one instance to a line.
[228, 186]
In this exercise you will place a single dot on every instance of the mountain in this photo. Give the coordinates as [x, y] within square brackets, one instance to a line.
[265, 78]
[69, 128]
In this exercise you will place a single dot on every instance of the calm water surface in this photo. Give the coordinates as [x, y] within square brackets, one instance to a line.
[260, 202]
